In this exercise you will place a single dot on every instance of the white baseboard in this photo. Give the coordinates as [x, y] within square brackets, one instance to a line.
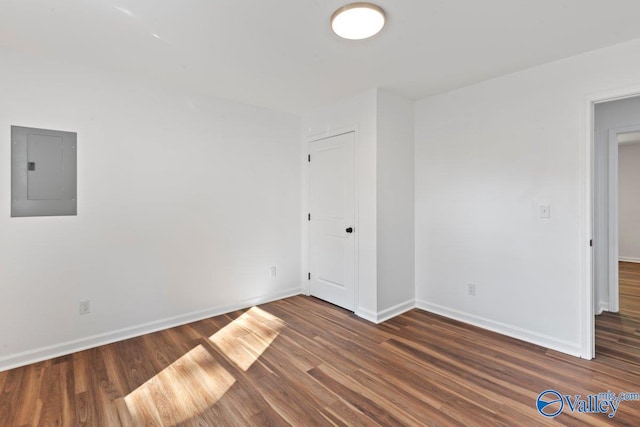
[602, 307]
[629, 259]
[62, 349]
[386, 314]
[369, 315]
[396, 310]
[573, 349]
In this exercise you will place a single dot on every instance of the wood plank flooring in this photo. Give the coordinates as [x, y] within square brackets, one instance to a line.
[618, 334]
[304, 362]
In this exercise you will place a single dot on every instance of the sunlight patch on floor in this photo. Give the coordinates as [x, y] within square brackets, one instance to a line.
[196, 381]
[183, 389]
[245, 339]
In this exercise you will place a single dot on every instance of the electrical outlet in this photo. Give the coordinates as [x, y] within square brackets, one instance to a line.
[471, 290]
[272, 272]
[85, 306]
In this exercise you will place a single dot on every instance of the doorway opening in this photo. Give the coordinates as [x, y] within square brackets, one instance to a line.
[616, 243]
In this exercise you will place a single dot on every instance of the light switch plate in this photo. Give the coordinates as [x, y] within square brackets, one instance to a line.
[545, 211]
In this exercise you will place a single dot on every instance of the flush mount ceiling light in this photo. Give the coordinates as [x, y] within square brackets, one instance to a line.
[357, 21]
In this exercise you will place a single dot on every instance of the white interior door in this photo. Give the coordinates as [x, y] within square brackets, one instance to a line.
[332, 206]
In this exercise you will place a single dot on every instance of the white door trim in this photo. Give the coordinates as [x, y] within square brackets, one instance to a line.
[588, 179]
[614, 300]
[306, 202]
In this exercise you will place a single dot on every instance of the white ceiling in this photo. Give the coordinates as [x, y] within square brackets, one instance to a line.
[281, 54]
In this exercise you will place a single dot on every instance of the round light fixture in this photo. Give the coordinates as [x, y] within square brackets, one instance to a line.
[357, 21]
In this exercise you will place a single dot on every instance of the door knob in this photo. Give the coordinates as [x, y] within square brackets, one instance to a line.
[349, 230]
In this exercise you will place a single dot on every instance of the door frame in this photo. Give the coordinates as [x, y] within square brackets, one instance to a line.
[306, 204]
[588, 341]
[613, 196]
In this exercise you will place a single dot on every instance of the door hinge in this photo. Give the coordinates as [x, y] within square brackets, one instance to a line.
[309, 158]
[309, 276]
[309, 217]
[591, 242]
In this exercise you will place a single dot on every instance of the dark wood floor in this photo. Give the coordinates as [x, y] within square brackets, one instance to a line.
[618, 334]
[304, 362]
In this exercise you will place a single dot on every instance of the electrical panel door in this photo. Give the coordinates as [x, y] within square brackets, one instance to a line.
[43, 176]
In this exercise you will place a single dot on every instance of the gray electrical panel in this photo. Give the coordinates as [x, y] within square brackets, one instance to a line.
[43, 172]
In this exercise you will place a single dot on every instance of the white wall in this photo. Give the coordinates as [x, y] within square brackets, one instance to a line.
[629, 202]
[184, 203]
[486, 157]
[395, 203]
[357, 112]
